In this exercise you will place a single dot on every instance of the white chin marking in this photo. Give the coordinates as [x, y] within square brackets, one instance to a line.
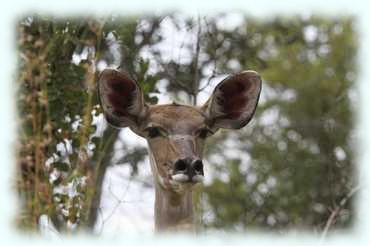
[180, 177]
[198, 178]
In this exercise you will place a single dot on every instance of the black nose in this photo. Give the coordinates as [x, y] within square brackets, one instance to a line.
[189, 167]
[181, 165]
[198, 167]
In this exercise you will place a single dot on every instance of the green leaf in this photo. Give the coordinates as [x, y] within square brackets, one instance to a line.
[61, 166]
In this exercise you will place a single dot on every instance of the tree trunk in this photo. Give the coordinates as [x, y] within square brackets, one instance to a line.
[109, 138]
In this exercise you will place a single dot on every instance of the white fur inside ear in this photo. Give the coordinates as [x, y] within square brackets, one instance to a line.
[180, 177]
[198, 178]
[215, 110]
[137, 103]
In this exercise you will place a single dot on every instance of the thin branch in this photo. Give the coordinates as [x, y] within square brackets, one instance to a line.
[196, 69]
[213, 75]
[167, 73]
[119, 201]
[147, 36]
[336, 212]
[215, 55]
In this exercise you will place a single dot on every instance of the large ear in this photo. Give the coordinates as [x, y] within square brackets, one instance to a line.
[121, 99]
[233, 101]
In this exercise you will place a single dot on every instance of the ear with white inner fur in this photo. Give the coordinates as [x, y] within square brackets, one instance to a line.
[233, 101]
[121, 99]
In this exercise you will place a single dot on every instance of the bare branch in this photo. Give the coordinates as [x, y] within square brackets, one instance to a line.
[196, 70]
[213, 75]
[336, 212]
[119, 200]
[215, 56]
[166, 72]
[147, 36]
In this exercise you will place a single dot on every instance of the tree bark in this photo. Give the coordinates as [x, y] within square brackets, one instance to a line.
[110, 135]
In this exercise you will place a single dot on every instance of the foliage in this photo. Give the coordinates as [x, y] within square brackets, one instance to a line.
[301, 140]
[59, 153]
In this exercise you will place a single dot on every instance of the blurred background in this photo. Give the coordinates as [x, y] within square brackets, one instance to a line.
[291, 168]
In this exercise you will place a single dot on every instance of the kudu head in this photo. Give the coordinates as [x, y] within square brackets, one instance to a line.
[176, 133]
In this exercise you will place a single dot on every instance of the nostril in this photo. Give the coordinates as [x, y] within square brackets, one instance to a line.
[198, 166]
[180, 165]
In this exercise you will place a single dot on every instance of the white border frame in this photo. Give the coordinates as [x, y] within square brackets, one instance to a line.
[11, 11]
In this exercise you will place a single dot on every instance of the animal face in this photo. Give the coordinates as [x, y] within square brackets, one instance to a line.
[176, 133]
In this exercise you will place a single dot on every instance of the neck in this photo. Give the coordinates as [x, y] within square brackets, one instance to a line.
[172, 211]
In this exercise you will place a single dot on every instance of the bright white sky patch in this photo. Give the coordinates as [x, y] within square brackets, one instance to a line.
[310, 33]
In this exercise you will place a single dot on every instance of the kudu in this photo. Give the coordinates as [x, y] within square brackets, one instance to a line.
[176, 135]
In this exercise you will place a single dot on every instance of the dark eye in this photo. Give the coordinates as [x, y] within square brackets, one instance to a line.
[153, 132]
[203, 133]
